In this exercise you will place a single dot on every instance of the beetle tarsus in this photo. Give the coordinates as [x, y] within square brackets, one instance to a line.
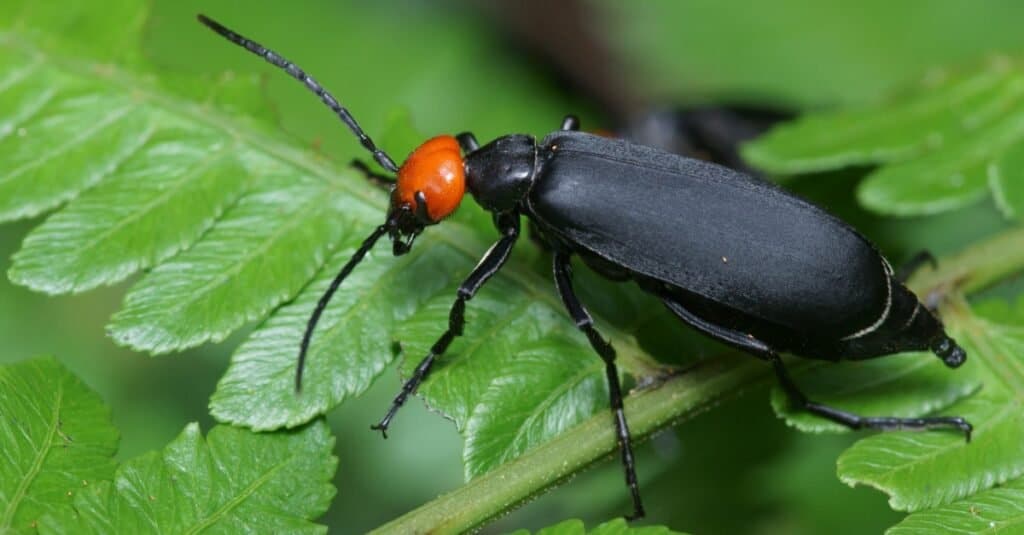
[382, 427]
[583, 320]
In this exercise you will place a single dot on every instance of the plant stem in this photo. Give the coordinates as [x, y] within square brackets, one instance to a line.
[515, 482]
[976, 267]
[677, 399]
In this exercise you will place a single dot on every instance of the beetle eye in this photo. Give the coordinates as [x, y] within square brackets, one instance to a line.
[436, 169]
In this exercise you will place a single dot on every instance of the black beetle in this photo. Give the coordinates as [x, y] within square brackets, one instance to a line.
[735, 257]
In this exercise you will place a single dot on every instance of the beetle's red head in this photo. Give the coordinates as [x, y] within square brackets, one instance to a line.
[435, 170]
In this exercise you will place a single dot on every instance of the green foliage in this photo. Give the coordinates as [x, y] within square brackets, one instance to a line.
[233, 481]
[613, 527]
[230, 223]
[948, 144]
[59, 476]
[56, 441]
[957, 138]
[1000, 510]
[920, 471]
[156, 203]
[903, 385]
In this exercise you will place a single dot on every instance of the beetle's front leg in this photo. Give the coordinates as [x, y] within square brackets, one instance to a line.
[563, 280]
[492, 261]
[381, 180]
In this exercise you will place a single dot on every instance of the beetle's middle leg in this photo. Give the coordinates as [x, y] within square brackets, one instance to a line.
[563, 281]
[752, 345]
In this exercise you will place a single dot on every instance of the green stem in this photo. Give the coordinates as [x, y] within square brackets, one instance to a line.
[677, 399]
[544, 466]
[976, 267]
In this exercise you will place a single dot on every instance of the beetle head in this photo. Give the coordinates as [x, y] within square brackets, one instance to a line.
[430, 186]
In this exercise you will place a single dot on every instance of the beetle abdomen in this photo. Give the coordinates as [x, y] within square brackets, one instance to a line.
[730, 238]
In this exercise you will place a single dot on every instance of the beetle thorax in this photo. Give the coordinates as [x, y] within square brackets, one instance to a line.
[500, 173]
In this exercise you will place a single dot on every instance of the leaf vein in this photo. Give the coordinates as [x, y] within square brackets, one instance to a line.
[37, 463]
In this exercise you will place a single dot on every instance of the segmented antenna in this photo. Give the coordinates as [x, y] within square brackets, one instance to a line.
[326, 297]
[275, 59]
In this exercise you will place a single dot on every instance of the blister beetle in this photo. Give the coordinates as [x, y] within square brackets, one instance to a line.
[735, 257]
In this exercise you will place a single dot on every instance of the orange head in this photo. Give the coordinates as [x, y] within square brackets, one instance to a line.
[436, 169]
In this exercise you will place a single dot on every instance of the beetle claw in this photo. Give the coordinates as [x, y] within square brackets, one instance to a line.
[382, 427]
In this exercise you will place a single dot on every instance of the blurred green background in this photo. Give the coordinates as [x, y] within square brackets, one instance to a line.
[734, 470]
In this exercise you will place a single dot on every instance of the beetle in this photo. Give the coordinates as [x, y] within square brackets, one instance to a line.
[735, 257]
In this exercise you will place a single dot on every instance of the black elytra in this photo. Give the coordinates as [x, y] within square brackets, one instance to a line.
[734, 257]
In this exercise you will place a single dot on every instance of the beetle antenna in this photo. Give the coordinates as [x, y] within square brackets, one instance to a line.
[326, 297]
[275, 59]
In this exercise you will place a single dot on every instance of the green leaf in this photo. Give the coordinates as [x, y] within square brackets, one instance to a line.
[905, 385]
[56, 440]
[942, 180]
[1000, 510]
[923, 470]
[259, 255]
[538, 394]
[77, 32]
[612, 527]
[55, 122]
[230, 222]
[233, 481]
[258, 389]
[941, 147]
[522, 374]
[931, 117]
[156, 204]
[1006, 179]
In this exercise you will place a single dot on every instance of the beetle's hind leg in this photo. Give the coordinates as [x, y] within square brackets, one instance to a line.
[756, 347]
[853, 421]
[563, 281]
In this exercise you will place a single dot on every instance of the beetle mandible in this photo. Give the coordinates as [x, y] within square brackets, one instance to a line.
[796, 278]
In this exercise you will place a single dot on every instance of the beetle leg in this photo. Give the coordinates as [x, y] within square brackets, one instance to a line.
[761, 350]
[563, 281]
[468, 142]
[492, 261]
[853, 421]
[911, 266]
[381, 180]
[571, 122]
